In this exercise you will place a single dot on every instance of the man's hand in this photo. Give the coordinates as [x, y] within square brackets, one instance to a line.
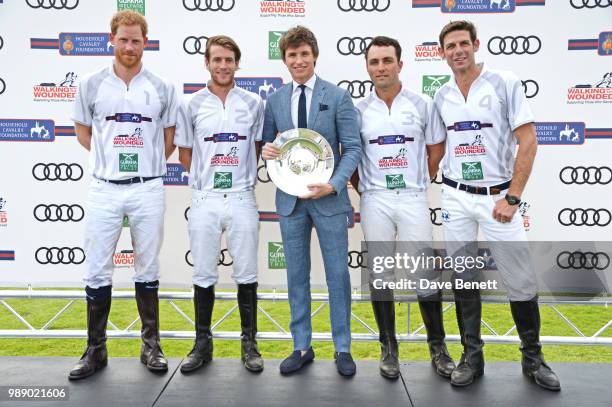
[503, 211]
[269, 151]
[318, 191]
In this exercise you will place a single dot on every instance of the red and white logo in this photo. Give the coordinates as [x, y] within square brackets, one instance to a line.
[392, 162]
[133, 140]
[229, 159]
[476, 147]
[123, 259]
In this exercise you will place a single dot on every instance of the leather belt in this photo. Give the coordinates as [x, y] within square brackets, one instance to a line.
[472, 189]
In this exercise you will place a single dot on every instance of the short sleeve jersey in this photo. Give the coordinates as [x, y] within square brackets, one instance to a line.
[222, 138]
[480, 145]
[394, 141]
[127, 122]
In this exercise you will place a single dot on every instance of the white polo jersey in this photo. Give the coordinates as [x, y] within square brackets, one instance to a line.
[394, 141]
[222, 138]
[480, 144]
[127, 122]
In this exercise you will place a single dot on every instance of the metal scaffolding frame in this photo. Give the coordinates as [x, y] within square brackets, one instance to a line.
[411, 335]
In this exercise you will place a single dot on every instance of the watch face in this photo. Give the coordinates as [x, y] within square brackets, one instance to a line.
[512, 200]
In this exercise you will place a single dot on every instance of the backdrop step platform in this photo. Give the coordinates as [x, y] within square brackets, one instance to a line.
[224, 382]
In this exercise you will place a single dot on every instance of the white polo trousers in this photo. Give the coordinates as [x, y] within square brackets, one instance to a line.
[107, 204]
[464, 212]
[213, 213]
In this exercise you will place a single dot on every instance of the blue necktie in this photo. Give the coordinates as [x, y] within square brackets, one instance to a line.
[302, 121]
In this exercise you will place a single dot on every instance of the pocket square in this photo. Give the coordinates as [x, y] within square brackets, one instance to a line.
[323, 107]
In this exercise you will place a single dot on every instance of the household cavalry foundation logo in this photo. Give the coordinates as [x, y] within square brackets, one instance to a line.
[273, 48]
[136, 5]
[276, 256]
[176, 175]
[128, 162]
[478, 6]
[431, 83]
[27, 130]
[427, 51]
[395, 181]
[222, 180]
[599, 91]
[61, 91]
[560, 132]
[280, 8]
[472, 171]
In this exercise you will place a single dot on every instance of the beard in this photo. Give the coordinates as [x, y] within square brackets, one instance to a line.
[128, 60]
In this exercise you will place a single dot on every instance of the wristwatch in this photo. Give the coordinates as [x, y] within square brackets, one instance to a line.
[513, 200]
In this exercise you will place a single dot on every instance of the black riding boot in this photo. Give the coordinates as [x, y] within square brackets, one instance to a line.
[469, 313]
[203, 301]
[147, 301]
[247, 304]
[384, 312]
[431, 311]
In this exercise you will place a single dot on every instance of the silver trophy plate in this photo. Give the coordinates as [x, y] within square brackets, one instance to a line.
[305, 158]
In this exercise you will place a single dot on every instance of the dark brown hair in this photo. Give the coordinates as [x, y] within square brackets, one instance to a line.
[382, 41]
[297, 36]
[461, 25]
[225, 42]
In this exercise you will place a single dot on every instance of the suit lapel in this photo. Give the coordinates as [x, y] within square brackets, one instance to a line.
[317, 96]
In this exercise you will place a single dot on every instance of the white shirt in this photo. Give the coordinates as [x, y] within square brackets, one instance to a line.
[127, 122]
[222, 138]
[295, 98]
[394, 141]
[480, 144]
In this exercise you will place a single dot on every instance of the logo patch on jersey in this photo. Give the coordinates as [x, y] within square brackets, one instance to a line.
[391, 139]
[397, 161]
[129, 140]
[222, 180]
[476, 147]
[225, 138]
[229, 159]
[472, 171]
[128, 162]
[467, 126]
[128, 118]
[395, 181]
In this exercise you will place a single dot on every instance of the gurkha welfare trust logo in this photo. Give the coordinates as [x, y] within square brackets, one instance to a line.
[135, 5]
[395, 181]
[599, 91]
[222, 180]
[431, 83]
[3, 213]
[472, 171]
[560, 132]
[27, 130]
[61, 91]
[128, 162]
[427, 52]
[478, 6]
[276, 256]
[273, 48]
[280, 8]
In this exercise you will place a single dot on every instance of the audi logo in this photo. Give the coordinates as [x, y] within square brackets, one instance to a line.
[2, 86]
[357, 89]
[584, 217]
[209, 5]
[63, 213]
[1, 42]
[57, 172]
[186, 214]
[195, 45]
[437, 179]
[224, 258]
[435, 214]
[578, 4]
[356, 259]
[352, 46]
[263, 176]
[363, 5]
[585, 175]
[53, 4]
[519, 45]
[583, 260]
[59, 255]
[531, 88]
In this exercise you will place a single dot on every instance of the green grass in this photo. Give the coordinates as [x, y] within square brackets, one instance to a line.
[587, 318]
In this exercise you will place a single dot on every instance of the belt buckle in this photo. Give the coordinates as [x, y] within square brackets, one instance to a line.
[494, 191]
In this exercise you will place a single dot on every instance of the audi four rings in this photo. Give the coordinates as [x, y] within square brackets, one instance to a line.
[59, 255]
[356, 259]
[519, 45]
[224, 258]
[531, 88]
[357, 89]
[263, 176]
[590, 3]
[435, 214]
[209, 5]
[195, 45]
[53, 4]
[364, 5]
[63, 213]
[585, 175]
[583, 260]
[352, 45]
[57, 172]
[584, 217]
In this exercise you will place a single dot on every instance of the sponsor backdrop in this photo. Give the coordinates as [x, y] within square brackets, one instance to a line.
[562, 50]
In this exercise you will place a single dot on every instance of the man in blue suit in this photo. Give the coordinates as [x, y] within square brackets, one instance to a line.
[310, 102]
